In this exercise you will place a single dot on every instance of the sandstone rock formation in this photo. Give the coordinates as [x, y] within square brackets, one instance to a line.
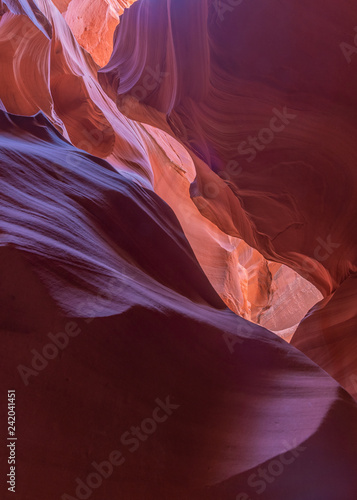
[280, 107]
[64, 86]
[147, 257]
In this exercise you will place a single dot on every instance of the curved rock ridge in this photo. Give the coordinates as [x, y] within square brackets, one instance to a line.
[38, 133]
[328, 334]
[59, 78]
[29, 9]
[217, 86]
[124, 326]
[270, 120]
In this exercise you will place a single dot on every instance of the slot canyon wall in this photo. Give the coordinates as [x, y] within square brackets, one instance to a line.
[178, 248]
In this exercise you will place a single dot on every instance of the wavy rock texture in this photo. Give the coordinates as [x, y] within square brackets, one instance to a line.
[225, 87]
[126, 223]
[280, 106]
[64, 86]
[328, 334]
[159, 329]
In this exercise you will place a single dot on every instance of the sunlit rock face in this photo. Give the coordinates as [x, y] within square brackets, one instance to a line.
[143, 242]
[54, 74]
[93, 24]
[143, 323]
[301, 113]
[272, 120]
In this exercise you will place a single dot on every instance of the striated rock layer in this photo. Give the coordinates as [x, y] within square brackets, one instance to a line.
[129, 223]
[272, 119]
[64, 86]
[137, 321]
[290, 187]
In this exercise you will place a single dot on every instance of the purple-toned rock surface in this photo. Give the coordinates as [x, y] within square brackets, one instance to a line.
[143, 250]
